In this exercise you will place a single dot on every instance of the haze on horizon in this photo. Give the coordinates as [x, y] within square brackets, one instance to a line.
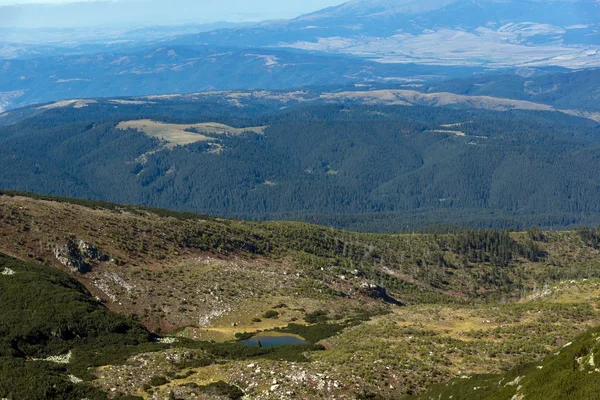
[33, 14]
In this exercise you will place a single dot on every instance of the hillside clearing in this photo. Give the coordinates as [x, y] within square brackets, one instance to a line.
[76, 103]
[180, 135]
[457, 133]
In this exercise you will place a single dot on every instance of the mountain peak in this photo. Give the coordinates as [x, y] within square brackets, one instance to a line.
[372, 8]
[378, 7]
[395, 6]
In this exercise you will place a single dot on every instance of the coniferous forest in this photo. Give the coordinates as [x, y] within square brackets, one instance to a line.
[375, 168]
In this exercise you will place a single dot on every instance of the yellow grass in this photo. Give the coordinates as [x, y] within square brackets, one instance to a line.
[571, 292]
[412, 97]
[131, 102]
[177, 135]
[452, 322]
[65, 103]
[224, 328]
[202, 376]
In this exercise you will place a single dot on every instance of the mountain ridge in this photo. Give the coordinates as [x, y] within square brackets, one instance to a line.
[347, 163]
[558, 92]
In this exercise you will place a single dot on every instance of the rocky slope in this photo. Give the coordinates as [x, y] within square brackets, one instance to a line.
[432, 307]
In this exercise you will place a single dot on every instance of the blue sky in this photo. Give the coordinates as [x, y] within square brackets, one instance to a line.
[36, 13]
[265, 5]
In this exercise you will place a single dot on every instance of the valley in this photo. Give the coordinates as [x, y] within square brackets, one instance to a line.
[375, 200]
[432, 307]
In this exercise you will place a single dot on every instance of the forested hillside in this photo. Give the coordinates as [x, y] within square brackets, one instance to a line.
[566, 90]
[378, 168]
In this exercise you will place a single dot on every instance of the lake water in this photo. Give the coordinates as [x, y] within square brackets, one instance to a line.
[271, 341]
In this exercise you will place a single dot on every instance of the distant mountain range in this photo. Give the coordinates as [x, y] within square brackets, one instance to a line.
[183, 69]
[384, 42]
[441, 32]
[571, 93]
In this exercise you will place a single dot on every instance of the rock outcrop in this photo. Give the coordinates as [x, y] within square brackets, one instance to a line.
[377, 292]
[78, 255]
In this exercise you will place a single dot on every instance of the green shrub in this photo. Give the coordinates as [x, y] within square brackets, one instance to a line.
[313, 333]
[271, 314]
[243, 336]
[222, 389]
[158, 381]
[62, 317]
[316, 317]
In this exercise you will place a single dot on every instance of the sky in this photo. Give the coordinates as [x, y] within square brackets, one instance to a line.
[65, 13]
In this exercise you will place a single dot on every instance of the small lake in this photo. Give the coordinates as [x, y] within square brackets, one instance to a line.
[272, 341]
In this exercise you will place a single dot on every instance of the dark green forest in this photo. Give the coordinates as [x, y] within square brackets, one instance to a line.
[377, 168]
[567, 90]
[45, 314]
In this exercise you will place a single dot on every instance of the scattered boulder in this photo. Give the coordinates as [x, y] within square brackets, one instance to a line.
[74, 379]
